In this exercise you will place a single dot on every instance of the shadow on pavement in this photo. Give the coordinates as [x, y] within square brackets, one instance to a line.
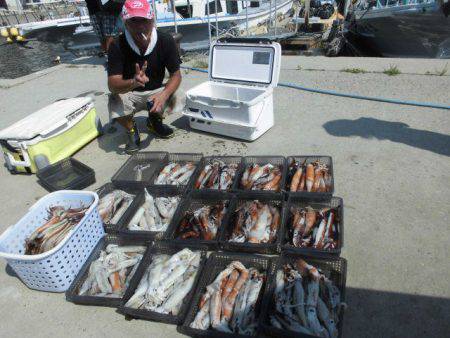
[182, 123]
[392, 131]
[115, 141]
[10, 272]
[373, 313]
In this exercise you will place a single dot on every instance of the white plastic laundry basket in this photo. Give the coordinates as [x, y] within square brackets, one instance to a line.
[55, 269]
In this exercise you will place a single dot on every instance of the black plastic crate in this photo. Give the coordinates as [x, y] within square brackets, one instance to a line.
[157, 249]
[128, 173]
[68, 174]
[335, 268]
[192, 202]
[216, 263]
[178, 158]
[137, 202]
[309, 159]
[263, 248]
[72, 293]
[106, 189]
[262, 160]
[334, 203]
[227, 160]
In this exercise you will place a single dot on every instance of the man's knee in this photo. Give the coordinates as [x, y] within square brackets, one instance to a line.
[114, 102]
[119, 105]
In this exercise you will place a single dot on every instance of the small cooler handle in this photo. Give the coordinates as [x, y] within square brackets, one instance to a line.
[60, 125]
[11, 160]
[198, 99]
[245, 40]
[25, 163]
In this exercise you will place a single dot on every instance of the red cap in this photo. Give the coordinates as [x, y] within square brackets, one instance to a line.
[137, 9]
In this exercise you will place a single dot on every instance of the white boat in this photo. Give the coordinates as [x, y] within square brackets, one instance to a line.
[191, 19]
[57, 25]
[232, 17]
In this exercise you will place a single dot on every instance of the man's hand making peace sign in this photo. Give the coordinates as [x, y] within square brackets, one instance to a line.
[140, 78]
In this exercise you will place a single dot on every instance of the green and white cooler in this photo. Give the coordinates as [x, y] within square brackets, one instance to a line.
[49, 135]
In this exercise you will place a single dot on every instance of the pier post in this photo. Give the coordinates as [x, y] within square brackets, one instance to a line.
[174, 16]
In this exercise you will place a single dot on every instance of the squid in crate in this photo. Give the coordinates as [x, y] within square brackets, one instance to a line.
[229, 302]
[316, 229]
[216, 175]
[154, 214]
[256, 222]
[311, 177]
[262, 177]
[202, 223]
[113, 205]
[166, 282]
[305, 301]
[110, 274]
[175, 174]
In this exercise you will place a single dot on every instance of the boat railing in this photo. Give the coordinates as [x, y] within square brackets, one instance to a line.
[397, 3]
[36, 12]
[383, 4]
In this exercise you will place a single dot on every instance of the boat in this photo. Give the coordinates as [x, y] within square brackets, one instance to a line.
[197, 21]
[231, 17]
[54, 21]
[401, 28]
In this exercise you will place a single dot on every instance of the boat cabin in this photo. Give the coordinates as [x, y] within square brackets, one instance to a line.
[199, 8]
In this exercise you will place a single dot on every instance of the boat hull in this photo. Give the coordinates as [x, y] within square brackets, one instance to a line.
[421, 31]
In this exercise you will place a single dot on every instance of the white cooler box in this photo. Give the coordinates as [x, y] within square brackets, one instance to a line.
[237, 100]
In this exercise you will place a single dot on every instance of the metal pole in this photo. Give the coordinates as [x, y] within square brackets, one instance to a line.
[189, 8]
[270, 13]
[217, 23]
[307, 6]
[48, 13]
[296, 15]
[209, 22]
[15, 15]
[174, 16]
[154, 10]
[246, 16]
[275, 23]
[18, 5]
[347, 3]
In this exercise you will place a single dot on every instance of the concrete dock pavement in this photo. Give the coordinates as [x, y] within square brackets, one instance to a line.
[392, 168]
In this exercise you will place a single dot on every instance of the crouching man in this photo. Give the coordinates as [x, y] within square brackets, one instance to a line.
[137, 61]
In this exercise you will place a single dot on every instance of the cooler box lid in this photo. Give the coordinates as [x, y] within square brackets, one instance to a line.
[239, 61]
[46, 120]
